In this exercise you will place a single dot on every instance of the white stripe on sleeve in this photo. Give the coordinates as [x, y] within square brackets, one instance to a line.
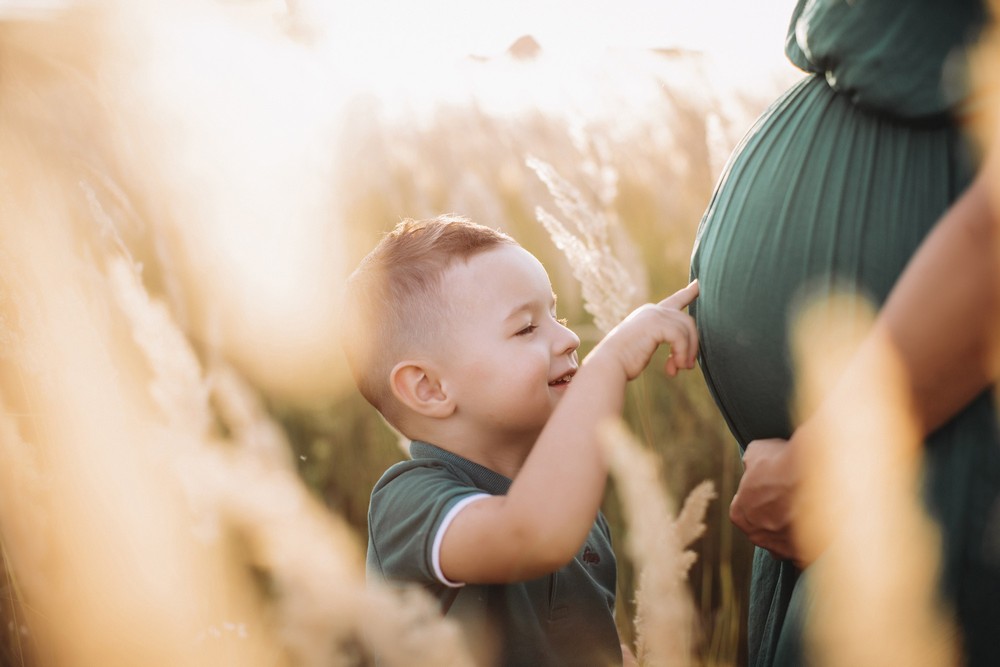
[436, 548]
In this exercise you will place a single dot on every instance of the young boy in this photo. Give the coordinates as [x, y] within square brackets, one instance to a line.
[451, 333]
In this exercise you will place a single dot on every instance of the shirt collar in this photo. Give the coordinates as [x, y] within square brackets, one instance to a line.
[486, 479]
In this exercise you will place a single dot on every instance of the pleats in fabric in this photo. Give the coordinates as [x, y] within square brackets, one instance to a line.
[819, 196]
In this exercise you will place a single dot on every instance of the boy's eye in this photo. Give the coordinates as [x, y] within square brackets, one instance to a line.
[526, 330]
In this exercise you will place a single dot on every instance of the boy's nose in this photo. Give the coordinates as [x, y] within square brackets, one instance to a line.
[568, 341]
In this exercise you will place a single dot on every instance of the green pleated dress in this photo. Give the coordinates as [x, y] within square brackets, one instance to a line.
[836, 185]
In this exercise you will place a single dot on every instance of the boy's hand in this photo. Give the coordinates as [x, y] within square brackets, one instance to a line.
[542, 522]
[628, 658]
[633, 342]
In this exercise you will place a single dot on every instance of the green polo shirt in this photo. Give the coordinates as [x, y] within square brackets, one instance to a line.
[564, 618]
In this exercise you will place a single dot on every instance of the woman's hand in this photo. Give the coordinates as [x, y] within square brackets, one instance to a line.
[764, 505]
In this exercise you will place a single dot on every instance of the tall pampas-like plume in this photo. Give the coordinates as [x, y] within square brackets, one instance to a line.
[158, 519]
[321, 607]
[658, 542]
[609, 291]
[874, 585]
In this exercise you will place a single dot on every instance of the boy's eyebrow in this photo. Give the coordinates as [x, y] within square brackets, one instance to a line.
[528, 305]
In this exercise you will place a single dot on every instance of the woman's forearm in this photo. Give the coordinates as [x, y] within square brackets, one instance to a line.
[942, 314]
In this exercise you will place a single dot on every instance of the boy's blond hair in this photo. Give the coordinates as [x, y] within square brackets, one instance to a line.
[393, 300]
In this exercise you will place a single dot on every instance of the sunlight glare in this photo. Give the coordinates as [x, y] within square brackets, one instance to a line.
[243, 123]
[444, 51]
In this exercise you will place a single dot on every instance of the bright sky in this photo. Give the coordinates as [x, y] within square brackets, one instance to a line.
[751, 30]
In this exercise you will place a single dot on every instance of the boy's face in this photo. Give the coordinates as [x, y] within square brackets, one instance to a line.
[507, 360]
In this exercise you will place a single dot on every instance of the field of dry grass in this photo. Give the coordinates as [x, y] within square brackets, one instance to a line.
[186, 465]
[641, 160]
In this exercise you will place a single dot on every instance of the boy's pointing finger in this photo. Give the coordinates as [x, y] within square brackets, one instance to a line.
[682, 297]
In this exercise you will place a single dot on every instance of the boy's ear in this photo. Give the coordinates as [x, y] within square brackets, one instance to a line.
[417, 387]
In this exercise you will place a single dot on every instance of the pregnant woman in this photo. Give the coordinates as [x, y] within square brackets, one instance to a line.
[838, 184]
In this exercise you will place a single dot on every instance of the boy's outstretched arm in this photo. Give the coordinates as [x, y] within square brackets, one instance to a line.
[542, 522]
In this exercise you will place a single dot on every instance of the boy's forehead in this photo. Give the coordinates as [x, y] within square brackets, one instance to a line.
[507, 270]
[508, 261]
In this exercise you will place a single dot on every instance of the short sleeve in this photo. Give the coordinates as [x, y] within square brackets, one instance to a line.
[411, 508]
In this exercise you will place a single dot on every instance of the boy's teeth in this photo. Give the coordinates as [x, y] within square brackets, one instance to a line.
[563, 380]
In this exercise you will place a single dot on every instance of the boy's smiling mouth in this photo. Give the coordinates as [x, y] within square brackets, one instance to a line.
[564, 379]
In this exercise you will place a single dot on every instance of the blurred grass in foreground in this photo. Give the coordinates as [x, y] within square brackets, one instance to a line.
[175, 226]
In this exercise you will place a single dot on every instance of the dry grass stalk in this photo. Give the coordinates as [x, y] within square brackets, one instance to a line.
[142, 505]
[984, 124]
[658, 541]
[319, 601]
[23, 496]
[596, 164]
[326, 613]
[120, 579]
[874, 597]
[609, 291]
[176, 386]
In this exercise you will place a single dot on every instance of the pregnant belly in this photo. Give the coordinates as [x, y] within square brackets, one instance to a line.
[819, 196]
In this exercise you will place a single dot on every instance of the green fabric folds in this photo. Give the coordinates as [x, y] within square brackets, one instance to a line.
[836, 186]
[900, 57]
